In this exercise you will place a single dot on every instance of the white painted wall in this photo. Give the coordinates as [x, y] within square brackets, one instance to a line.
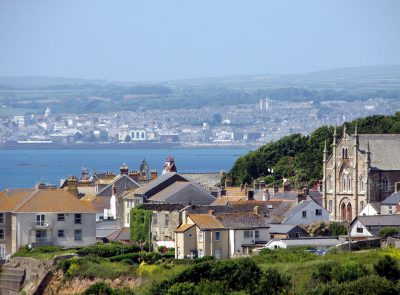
[388, 209]
[354, 232]
[368, 211]
[311, 217]
[273, 244]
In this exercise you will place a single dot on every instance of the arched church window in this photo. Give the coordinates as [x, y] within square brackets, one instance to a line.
[349, 212]
[330, 183]
[343, 211]
[362, 205]
[345, 153]
[330, 203]
[385, 184]
[361, 180]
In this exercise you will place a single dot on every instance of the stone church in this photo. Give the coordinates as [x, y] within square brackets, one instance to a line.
[362, 168]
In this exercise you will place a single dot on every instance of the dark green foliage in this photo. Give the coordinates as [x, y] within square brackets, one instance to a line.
[294, 254]
[273, 283]
[140, 225]
[388, 232]
[300, 157]
[102, 288]
[108, 250]
[229, 275]
[333, 271]
[366, 285]
[337, 229]
[137, 258]
[182, 289]
[387, 267]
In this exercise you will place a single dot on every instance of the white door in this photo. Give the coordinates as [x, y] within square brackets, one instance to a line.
[217, 253]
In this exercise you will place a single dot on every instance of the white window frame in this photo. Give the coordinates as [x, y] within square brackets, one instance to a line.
[248, 234]
[75, 235]
[200, 236]
[217, 236]
[58, 233]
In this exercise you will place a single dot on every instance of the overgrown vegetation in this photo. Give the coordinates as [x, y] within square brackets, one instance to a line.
[140, 225]
[298, 157]
[43, 252]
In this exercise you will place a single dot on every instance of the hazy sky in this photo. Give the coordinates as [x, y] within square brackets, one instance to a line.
[165, 40]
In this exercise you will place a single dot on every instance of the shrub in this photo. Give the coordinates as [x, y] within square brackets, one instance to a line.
[349, 271]
[388, 232]
[108, 250]
[272, 281]
[323, 272]
[387, 267]
[100, 288]
[295, 254]
[182, 289]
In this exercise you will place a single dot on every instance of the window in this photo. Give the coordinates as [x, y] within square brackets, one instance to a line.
[330, 205]
[385, 184]
[330, 183]
[345, 153]
[218, 236]
[128, 218]
[360, 230]
[190, 235]
[78, 218]
[304, 214]
[200, 236]
[257, 234]
[60, 233]
[154, 217]
[1, 217]
[318, 212]
[60, 217]
[2, 234]
[361, 205]
[78, 235]
[248, 234]
[361, 183]
[166, 223]
[298, 235]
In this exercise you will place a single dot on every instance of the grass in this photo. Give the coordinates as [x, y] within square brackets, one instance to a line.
[43, 253]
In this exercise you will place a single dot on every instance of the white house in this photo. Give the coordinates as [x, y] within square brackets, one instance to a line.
[320, 243]
[370, 226]
[371, 209]
[306, 212]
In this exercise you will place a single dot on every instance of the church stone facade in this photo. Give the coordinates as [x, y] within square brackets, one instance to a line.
[362, 168]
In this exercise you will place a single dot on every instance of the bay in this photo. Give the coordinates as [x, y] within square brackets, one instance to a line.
[25, 168]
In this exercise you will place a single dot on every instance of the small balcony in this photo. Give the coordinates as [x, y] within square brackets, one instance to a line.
[41, 225]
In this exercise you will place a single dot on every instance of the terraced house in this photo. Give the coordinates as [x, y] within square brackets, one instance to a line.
[44, 216]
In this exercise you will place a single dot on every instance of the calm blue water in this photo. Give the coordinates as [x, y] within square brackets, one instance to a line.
[24, 168]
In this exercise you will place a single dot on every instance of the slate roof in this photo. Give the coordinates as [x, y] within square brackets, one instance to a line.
[120, 183]
[384, 148]
[122, 234]
[105, 228]
[154, 186]
[241, 220]
[281, 228]
[38, 200]
[393, 199]
[163, 207]
[199, 209]
[379, 220]
[203, 179]
[182, 191]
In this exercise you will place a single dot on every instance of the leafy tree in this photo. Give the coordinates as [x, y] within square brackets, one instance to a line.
[388, 232]
[273, 283]
[387, 267]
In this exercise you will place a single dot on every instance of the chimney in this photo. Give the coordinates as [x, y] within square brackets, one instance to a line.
[301, 197]
[211, 212]
[266, 196]
[306, 191]
[124, 169]
[73, 184]
[250, 195]
[153, 174]
[397, 187]
[257, 210]
[287, 187]
[134, 175]
[114, 190]
[110, 175]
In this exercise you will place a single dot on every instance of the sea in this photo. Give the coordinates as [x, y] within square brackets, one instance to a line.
[26, 168]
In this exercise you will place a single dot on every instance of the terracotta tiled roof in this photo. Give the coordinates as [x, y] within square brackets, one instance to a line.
[206, 221]
[184, 227]
[10, 198]
[43, 201]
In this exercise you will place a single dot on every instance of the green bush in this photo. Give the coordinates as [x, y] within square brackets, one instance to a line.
[388, 232]
[108, 250]
[272, 281]
[330, 271]
[387, 267]
[182, 289]
[295, 254]
[100, 288]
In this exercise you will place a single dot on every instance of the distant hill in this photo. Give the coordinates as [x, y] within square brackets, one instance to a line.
[39, 82]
